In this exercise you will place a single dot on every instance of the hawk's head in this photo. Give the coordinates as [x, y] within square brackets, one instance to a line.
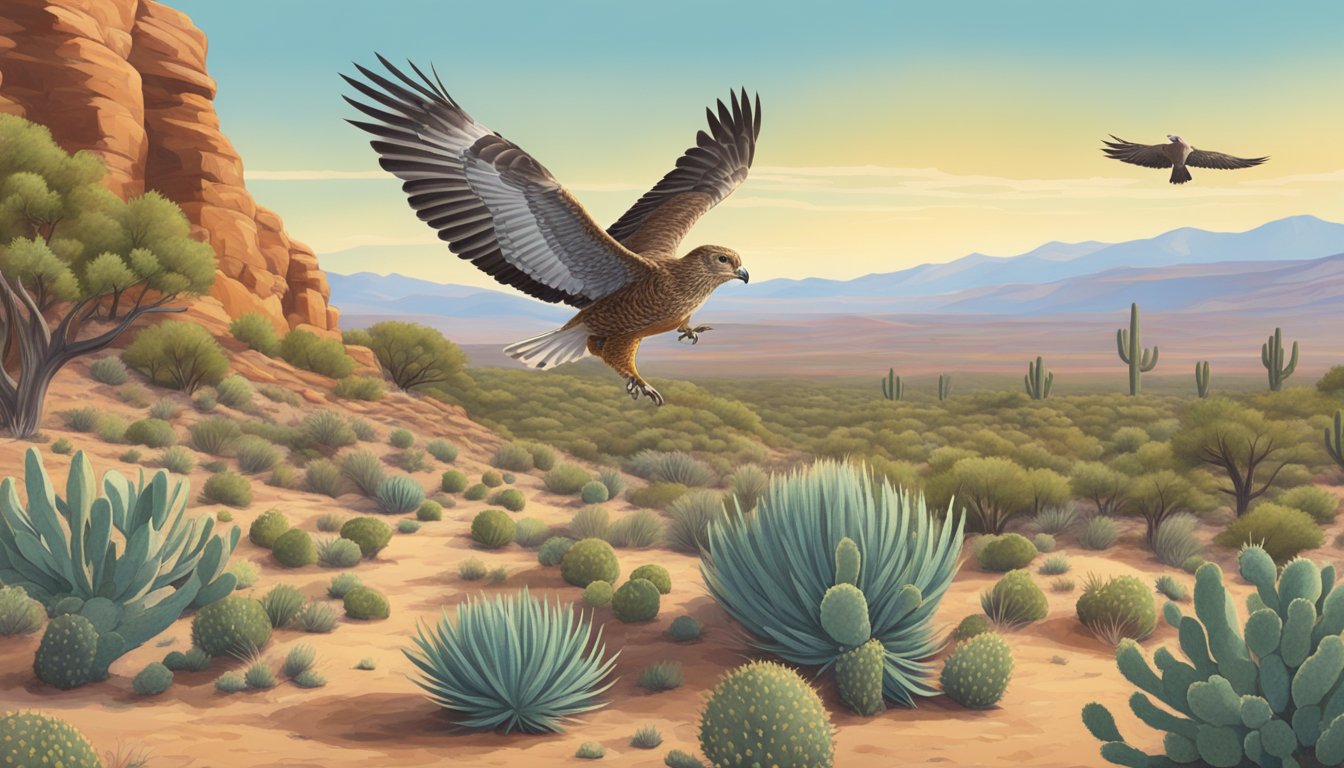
[722, 264]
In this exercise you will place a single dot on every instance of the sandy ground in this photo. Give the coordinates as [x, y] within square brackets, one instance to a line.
[380, 717]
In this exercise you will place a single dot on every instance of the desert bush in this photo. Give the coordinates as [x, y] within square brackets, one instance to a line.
[341, 584]
[330, 522]
[230, 682]
[112, 428]
[109, 370]
[306, 350]
[657, 575]
[366, 604]
[294, 549]
[749, 484]
[1100, 533]
[589, 560]
[81, 419]
[531, 532]
[364, 469]
[453, 481]
[370, 533]
[282, 604]
[205, 400]
[365, 388]
[977, 673]
[566, 479]
[255, 455]
[684, 629]
[512, 456]
[399, 495]
[259, 676]
[133, 395]
[636, 600]
[151, 433]
[476, 492]
[407, 526]
[62, 447]
[511, 499]
[640, 529]
[194, 660]
[678, 759]
[130, 456]
[442, 450]
[215, 435]
[594, 492]
[228, 488]
[543, 456]
[234, 392]
[656, 495]
[646, 737]
[1061, 584]
[1117, 608]
[1054, 565]
[552, 550]
[317, 617]
[1008, 552]
[1283, 532]
[429, 511]
[165, 408]
[590, 523]
[415, 356]
[590, 750]
[245, 572]
[19, 613]
[335, 552]
[492, 529]
[613, 482]
[1044, 543]
[366, 664]
[471, 569]
[255, 330]
[178, 355]
[1015, 601]
[1321, 504]
[401, 438]
[235, 625]
[690, 518]
[324, 477]
[1170, 588]
[413, 460]
[328, 430]
[598, 594]
[544, 641]
[1175, 541]
[792, 727]
[364, 431]
[299, 660]
[969, 627]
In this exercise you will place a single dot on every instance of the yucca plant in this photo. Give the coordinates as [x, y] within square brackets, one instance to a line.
[771, 569]
[515, 661]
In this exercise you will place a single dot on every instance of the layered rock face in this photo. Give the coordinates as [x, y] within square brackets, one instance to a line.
[127, 80]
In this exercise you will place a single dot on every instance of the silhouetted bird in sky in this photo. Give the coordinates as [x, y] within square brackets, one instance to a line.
[1176, 154]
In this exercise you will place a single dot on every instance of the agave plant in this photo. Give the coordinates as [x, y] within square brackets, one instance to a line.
[515, 661]
[772, 569]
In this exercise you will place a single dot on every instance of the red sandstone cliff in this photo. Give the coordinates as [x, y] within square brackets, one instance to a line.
[127, 79]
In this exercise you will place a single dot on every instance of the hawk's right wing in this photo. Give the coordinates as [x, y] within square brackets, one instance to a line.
[1147, 155]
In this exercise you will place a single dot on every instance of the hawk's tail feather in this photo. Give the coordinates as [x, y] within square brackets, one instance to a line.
[1180, 174]
[551, 349]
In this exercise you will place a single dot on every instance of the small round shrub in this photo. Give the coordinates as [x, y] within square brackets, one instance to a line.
[67, 655]
[1283, 532]
[678, 759]
[594, 492]
[597, 594]
[1192, 563]
[566, 479]
[590, 523]
[307, 350]
[152, 680]
[476, 492]
[324, 477]
[1100, 533]
[662, 676]
[493, 528]
[370, 533]
[655, 574]
[230, 682]
[590, 560]
[194, 660]
[255, 454]
[640, 529]
[234, 392]
[511, 499]
[407, 526]
[972, 625]
[1321, 504]
[366, 388]
[400, 494]
[656, 495]
[429, 511]
[977, 673]
[413, 460]
[764, 713]
[1004, 553]
[1015, 601]
[1116, 608]
[229, 488]
[35, 740]
[453, 481]
[684, 629]
[109, 370]
[1044, 543]
[294, 549]
[1055, 565]
[590, 750]
[509, 478]
[19, 613]
[613, 481]
[215, 435]
[267, 527]
[246, 573]
[342, 583]
[339, 553]
[512, 456]
[491, 479]
[531, 532]
[177, 354]
[255, 330]
[543, 456]
[471, 569]
[365, 603]
[401, 438]
[260, 677]
[636, 600]
[151, 433]
[364, 469]
[442, 450]
[234, 625]
[328, 430]
[552, 550]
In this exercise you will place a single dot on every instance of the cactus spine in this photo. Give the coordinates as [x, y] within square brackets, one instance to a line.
[1271, 356]
[1202, 378]
[892, 388]
[944, 386]
[1131, 351]
[1334, 439]
[1038, 380]
[844, 616]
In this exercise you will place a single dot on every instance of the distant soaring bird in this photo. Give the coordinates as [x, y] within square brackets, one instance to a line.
[1176, 154]
[499, 208]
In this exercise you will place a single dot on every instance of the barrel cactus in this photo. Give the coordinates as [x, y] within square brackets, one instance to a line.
[35, 740]
[977, 673]
[1270, 695]
[68, 654]
[764, 714]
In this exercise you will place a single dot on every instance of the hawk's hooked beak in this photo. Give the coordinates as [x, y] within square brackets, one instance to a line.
[743, 275]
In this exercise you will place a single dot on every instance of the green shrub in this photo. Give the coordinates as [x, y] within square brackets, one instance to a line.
[1170, 588]
[215, 435]
[1116, 608]
[590, 523]
[678, 759]
[511, 499]
[234, 625]
[259, 676]
[977, 673]
[245, 572]
[972, 625]
[255, 330]
[1054, 565]
[177, 459]
[407, 526]
[471, 569]
[656, 574]
[1321, 504]
[338, 553]
[328, 430]
[364, 431]
[492, 529]
[1282, 532]
[413, 461]
[151, 433]
[1174, 541]
[177, 354]
[342, 583]
[429, 511]
[299, 660]
[109, 370]
[130, 456]
[370, 533]
[400, 495]
[671, 467]
[491, 479]
[306, 350]
[112, 428]
[636, 600]
[442, 450]
[19, 613]
[764, 713]
[749, 486]
[35, 740]
[1044, 543]
[205, 400]
[401, 438]
[497, 576]
[364, 469]
[133, 395]
[1061, 584]
[366, 664]
[1008, 552]
[415, 356]
[540, 640]
[590, 750]
[453, 481]
[330, 522]
[531, 532]
[1015, 601]
[324, 477]
[656, 495]
[598, 594]
[613, 482]
[282, 604]
[512, 456]
[234, 392]
[1192, 564]
[543, 456]
[194, 660]
[684, 629]
[590, 560]
[317, 617]
[691, 515]
[552, 551]
[62, 447]
[647, 737]
[639, 529]
[255, 455]
[594, 492]
[294, 549]
[366, 388]
[230, 682]
[81, 419]
[566, 479]
[476, 492]
[229, 488]
[1100, 533]
[365, 603]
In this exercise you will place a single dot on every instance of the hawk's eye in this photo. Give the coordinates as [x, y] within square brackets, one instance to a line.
[723, 259]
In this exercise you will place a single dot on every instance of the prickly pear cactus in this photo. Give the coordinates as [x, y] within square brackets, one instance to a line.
[844, 615]
[1271, 695]
[847, 561]
[858, 675]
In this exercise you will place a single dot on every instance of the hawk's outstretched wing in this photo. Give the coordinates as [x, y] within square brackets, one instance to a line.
[1201, 158]
[704, 175]
[1147, 155]
[492, 202]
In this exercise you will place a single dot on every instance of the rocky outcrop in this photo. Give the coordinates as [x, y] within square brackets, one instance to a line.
[127, 80]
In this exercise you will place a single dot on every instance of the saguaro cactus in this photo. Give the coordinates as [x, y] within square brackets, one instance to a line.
[1202, 378]
[1271, 356]
[1334, 439]
[1131, 351]
[944, 386]
[892, 388]
[1038, 380]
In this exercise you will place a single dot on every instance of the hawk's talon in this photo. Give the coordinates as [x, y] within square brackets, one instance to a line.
[637, 387]
[693, 333]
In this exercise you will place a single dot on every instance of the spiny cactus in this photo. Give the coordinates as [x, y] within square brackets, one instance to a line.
[944, 386]
[33, 740]
[1268, 696]
[1132, 353]
[844, 615]
[1038, 380]
[763, 713]
[977, 673]
[1202, 378]
[847, 562]
[1334, 439]
[858, 676]
[1271, 356]
[892, 388]
[68, 655]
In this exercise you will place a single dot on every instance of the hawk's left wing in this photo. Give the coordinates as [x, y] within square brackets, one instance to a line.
[1202, 158]
[1146, 155]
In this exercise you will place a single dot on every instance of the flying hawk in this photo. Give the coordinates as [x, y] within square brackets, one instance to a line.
[499, 208]
[1176, 154]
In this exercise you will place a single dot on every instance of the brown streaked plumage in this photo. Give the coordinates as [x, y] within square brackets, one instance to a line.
[499, 208]
[1176, 154]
